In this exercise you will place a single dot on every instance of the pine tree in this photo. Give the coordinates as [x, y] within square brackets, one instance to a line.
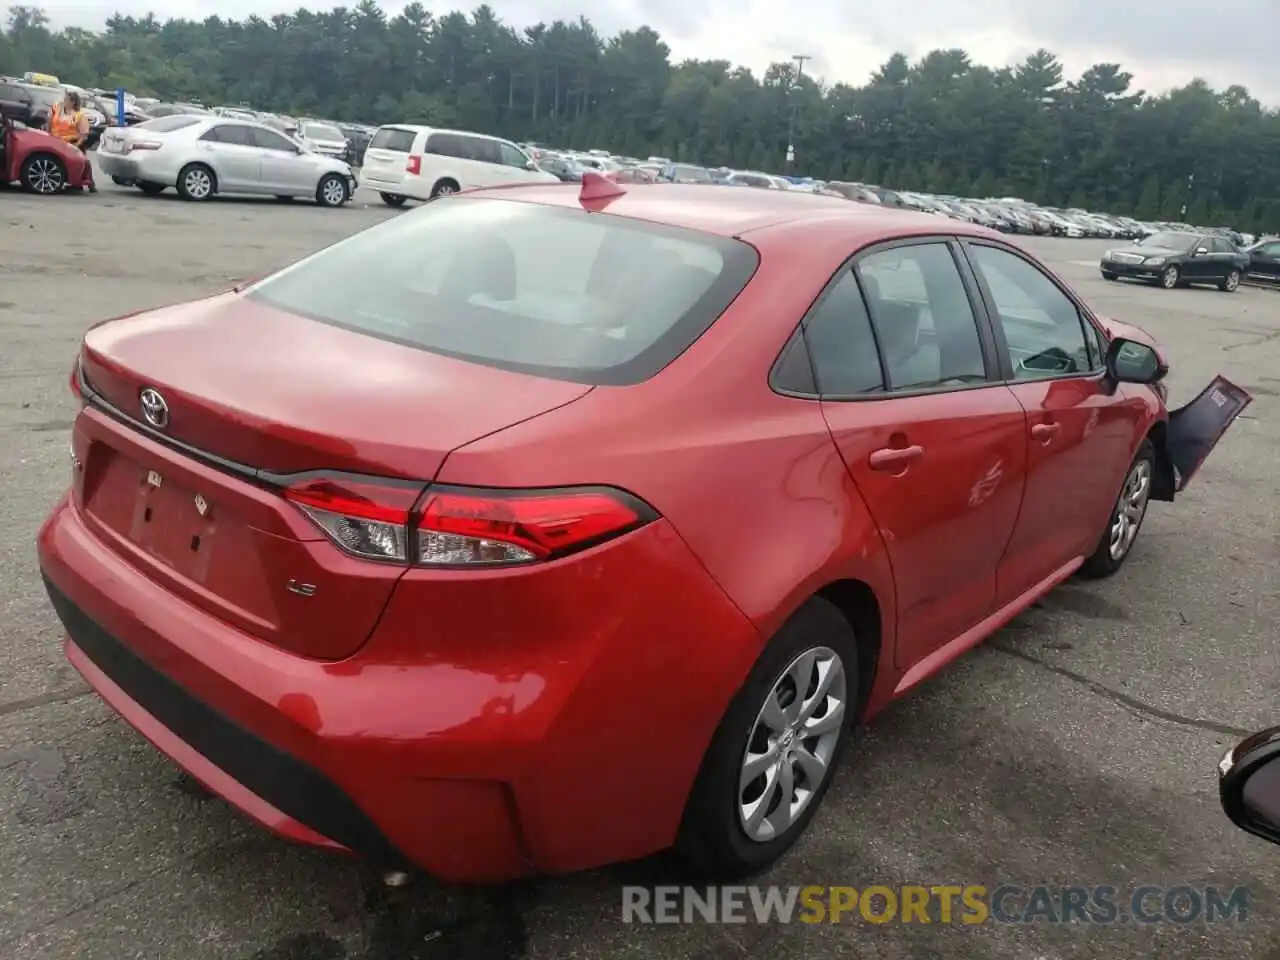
[1148, 207]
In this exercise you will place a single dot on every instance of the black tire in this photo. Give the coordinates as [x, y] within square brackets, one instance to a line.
[1108, 275]
[1231, 282]
[43, 173]
[1105, 562]
[1170, 277]
[393, 199]
[444, 187]
[151, 189]
[332, 191]
[712, 835]
[197, 182]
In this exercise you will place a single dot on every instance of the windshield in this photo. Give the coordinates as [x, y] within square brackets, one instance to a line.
[1170, 241]
[321, 131]
[544, 290]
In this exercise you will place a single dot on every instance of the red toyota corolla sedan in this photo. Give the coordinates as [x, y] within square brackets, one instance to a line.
[541, 527]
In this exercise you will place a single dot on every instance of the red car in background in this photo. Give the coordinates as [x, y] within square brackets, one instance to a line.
[541, 527]
[39, 162]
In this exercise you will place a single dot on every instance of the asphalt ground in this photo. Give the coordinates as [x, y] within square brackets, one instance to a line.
[1077, 747]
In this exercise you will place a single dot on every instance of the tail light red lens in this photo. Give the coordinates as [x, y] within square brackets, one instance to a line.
[414, 165]
[458, 526]
[363, 517]
[76, 390]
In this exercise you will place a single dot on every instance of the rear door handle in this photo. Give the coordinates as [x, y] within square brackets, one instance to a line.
[895, 459]
[1045, 431]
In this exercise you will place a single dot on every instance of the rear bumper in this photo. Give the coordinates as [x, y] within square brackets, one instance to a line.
[570, 747]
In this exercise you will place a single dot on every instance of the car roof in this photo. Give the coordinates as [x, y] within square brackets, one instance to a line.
[727, 212]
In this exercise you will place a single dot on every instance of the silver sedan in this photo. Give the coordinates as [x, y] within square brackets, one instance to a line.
[201, 156]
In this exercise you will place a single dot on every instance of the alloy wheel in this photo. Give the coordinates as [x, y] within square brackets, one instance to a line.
[44, 175]
[1233, 281]
[792, 744]
[1169, 279]
[1131, 508]
[198, 183]
[334, 193]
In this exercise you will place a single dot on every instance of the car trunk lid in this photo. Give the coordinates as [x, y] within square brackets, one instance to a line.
[253, 396]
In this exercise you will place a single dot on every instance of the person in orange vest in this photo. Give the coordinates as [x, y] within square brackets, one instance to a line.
[67, 122]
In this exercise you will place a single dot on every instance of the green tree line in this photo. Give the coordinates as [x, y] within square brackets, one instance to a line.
[941, 124]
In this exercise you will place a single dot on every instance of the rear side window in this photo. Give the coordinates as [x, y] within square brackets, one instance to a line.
[232, 133]
[553, 292]
[393, 138]
[842, 344]
[445, 145]
[480, 150]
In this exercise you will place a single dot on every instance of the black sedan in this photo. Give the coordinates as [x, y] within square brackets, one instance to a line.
[1264, 261]
[1178, 259]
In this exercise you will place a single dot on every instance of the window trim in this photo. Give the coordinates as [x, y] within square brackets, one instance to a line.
[990, 355]
[1083, 314]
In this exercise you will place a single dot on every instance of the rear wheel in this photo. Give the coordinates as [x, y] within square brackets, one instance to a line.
[332, 191]
[443, 188]
[196, 182]
[1230, 282]
[393, 199]
[1126, 517]
[773, 756]
[43, 173]
[1170, 277]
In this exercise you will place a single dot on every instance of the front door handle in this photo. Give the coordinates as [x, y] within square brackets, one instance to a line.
[895, 459]
[1045, 431]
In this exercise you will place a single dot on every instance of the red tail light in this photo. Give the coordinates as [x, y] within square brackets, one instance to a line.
[457, 526]
[414, 165]
[366, 518]
[463, 527]
[76, 390]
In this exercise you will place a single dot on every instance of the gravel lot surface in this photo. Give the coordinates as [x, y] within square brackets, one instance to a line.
[1078, 747]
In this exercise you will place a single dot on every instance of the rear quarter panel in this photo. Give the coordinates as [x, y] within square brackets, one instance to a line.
[751, 480]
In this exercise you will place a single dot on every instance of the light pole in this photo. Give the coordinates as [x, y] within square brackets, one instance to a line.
[800, 59]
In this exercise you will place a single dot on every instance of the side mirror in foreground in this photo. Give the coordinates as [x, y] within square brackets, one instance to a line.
[1131, 362]
[1249, 784]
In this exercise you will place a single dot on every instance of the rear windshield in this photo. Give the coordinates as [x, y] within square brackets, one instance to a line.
[170, 123]
[393, 138]
[559, 293]
[321, 131]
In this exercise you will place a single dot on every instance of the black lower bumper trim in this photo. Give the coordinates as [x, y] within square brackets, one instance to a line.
[291, 786]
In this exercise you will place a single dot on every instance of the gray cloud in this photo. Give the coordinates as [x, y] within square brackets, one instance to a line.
[1163, 43]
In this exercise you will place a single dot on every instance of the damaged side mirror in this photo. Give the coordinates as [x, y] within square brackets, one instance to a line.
[1131, 362]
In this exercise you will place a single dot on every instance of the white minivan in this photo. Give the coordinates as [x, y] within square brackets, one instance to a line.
[405, 161]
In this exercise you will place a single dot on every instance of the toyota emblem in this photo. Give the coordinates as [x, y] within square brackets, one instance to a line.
[154, 408]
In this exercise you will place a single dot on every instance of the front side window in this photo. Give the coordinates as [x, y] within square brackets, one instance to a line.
[555, 292]
[512, 157]
[923, 318]
[1042, 326]
[270, 140]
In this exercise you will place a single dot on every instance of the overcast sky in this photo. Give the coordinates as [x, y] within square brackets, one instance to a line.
[1164, 43]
